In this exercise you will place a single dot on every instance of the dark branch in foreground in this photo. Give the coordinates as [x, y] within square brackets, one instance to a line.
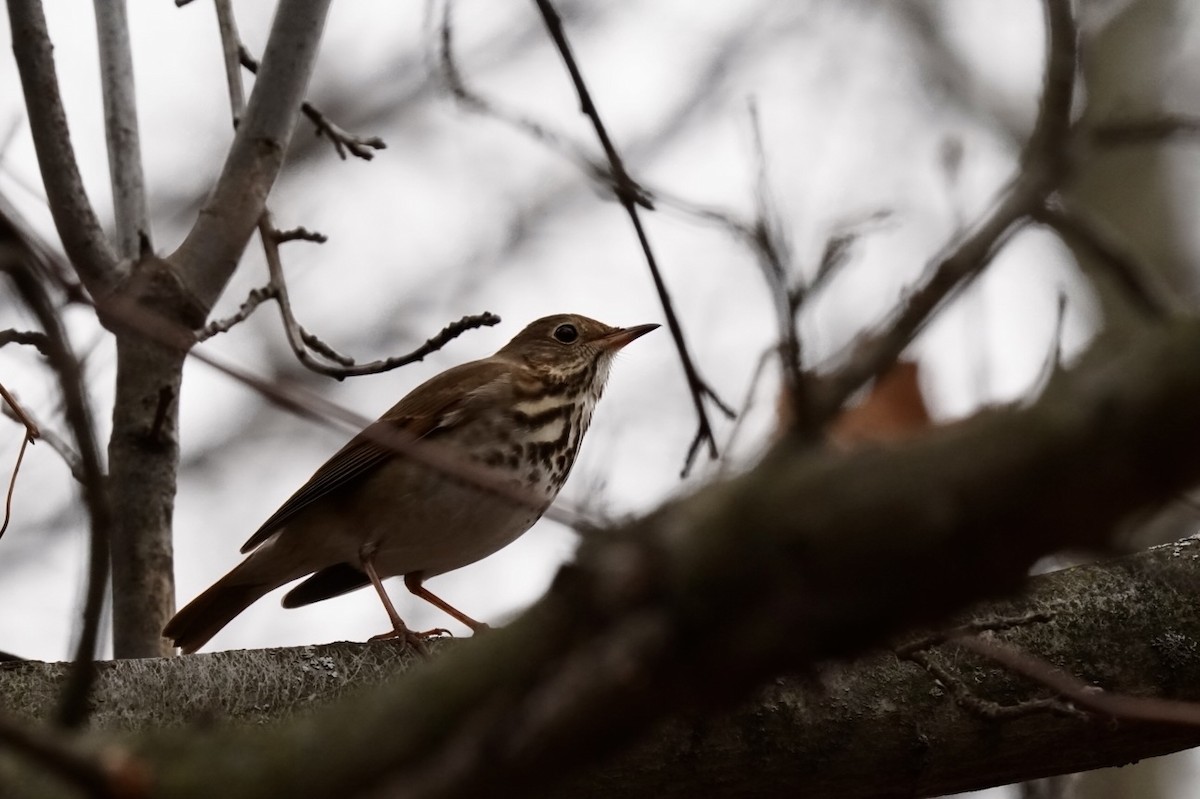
[631, 196]
[807, 558]
[860, 722]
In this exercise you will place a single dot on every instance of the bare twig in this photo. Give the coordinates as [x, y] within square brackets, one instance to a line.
[255, 298]
[973, 627]
[121, 129]
[1121, 706]
[300, 234]
[342, 140]
[29, 338]
[837, 252]
[1132, 276]
[304, 343]
[231, 48]
[631, 196]
[747, 402]
[472, 101]
[78, 226]
[210, 253]
[1043, 166]
[986, 708]
[1053, 363]
[1126, 132]
[31, 435]
[56, 442]
[773, 252]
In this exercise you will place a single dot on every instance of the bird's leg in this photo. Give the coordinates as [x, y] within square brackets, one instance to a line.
[412, 582]
[399, 629]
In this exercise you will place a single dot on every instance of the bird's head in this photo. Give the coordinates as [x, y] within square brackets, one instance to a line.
[569, 345]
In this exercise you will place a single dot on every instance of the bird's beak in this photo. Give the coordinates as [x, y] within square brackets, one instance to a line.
[623, 335]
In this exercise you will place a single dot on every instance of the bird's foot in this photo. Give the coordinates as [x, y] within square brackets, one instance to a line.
[436, 632]
[413, 638]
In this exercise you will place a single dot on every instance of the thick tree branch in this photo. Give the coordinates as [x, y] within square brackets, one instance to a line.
[210, 253]
[1129, 620]
[76, 221]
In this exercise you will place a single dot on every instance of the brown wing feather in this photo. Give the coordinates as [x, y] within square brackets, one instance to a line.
[436, 405]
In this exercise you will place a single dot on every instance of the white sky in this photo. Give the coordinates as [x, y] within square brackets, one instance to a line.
[855, 111]
[853, 125]
[857, 108]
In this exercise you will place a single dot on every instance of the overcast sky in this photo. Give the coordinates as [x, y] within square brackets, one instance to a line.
[897, 120]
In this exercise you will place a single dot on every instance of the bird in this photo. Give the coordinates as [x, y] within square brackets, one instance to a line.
[456, 470]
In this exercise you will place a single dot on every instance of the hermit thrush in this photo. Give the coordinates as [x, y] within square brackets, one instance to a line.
[494, 442]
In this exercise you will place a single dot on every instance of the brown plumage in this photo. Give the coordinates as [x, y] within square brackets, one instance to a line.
[456, 470]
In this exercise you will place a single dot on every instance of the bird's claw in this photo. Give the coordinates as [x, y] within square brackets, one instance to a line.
[436, 632]
[413, 638]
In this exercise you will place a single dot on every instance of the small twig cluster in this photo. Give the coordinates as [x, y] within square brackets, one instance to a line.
[310, 350]
[343, 141]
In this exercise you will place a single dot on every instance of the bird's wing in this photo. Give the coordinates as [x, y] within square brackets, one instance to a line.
[439, 404]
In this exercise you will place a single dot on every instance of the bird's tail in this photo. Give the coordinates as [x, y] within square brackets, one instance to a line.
[204, 616]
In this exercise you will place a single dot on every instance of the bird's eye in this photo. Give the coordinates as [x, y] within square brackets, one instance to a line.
[566, 333]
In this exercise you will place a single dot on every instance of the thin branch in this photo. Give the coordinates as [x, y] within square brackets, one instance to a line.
[20, 414]
[31, 435]
[474, 102]
[304, 343]
[78, 226]
[255, 298]
[631, 196]
[760, 369]
[986, 708]
[121, 130]
[30, 338]
[300, 234]
[1053, 364]
[1043, 167]
[773, 252]
[231, 54]
[56, 442]
[210, 253]
[1094, 698]
[1119, 133]
[1134, 280]
[973, 627]
[342, 140]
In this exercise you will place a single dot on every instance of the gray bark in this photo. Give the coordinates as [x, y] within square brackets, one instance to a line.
[121, 128]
